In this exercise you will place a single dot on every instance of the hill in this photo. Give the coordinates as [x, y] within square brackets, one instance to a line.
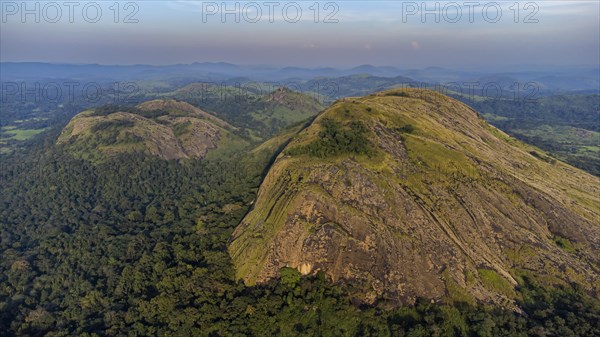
[262, 113]
[408, 194]
[359, 84]
[167, 129]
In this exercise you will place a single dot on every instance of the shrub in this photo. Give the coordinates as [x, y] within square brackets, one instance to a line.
[408, 128]
[336, 139]
[398, 94]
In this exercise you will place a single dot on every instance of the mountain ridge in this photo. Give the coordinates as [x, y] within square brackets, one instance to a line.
[470, 210]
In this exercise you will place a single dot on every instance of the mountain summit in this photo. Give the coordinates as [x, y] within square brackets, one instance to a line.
[409, 193]
[168, 129]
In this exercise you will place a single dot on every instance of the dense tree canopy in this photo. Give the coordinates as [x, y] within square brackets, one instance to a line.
[137, 246]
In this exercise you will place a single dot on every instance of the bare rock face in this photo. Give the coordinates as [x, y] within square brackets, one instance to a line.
[167, 129]
[438, 204]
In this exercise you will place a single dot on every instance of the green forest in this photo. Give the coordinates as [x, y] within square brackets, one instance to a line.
[137, 246]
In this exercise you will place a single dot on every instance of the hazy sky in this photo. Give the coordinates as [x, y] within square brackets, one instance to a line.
[374, 32]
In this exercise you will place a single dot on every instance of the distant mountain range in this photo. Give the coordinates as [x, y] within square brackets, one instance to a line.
[548, 78]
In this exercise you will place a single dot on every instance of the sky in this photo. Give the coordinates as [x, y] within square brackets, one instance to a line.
[303, 33]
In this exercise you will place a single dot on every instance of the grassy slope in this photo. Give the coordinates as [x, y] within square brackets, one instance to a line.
[566, 126]
[446, 152]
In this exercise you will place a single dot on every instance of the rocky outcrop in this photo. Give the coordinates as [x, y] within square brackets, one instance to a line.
[167, 129]
[442, 206]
